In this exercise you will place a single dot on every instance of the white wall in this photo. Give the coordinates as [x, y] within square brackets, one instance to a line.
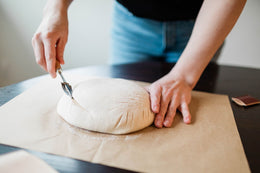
[89, 37]
[242, 46]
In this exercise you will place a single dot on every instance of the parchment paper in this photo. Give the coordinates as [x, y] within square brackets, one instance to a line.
[21, 161]
[210, 144]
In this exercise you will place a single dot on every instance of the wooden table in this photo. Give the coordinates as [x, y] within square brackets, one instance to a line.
[232, 81]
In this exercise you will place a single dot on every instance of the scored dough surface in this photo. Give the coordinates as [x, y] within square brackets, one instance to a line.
[106, 105]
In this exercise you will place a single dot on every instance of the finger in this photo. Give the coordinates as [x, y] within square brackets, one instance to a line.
[39, 51]
[170, 114]
[50, 55]
[60, 50]
[163, 109]
[184, 109]
[155, 97]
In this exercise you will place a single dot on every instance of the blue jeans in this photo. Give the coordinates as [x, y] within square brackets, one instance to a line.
[135, 39]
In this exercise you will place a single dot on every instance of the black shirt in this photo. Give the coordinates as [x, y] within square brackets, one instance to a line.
[163, 10]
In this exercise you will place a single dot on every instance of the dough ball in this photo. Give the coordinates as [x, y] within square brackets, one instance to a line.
[115, 106]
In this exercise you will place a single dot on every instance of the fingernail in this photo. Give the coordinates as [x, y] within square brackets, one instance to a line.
[166, 123]
[187, 120]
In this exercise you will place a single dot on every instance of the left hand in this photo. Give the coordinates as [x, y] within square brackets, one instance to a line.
[168, 95]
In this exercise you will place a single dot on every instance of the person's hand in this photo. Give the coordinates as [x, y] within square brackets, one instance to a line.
[49, 41]
[168, 95]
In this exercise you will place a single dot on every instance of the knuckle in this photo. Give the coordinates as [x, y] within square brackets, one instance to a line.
[50, 68]
[176, 97]
[49, 58]
[186, 99]
[39, 61]
[172, 108]
[36, 37]
[159, 117]
[167, 93]
[155, 101]
[170, 116]
[48, 35]
[169, 113]
[156, 86]
[177, 84]
[154, 93]
[163, 110]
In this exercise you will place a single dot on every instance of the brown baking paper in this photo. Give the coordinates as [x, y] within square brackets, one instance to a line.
[22, 161]
[210, 144]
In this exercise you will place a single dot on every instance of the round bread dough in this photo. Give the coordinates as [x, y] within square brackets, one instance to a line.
[115, 106]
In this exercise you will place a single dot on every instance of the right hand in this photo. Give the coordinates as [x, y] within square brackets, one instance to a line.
[49, 41]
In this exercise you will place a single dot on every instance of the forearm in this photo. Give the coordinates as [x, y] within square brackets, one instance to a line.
[215, 20]
[56, 7]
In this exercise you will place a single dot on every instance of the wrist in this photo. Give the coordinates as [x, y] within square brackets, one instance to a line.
[56, 7]
[191, 65]
[179, 74]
